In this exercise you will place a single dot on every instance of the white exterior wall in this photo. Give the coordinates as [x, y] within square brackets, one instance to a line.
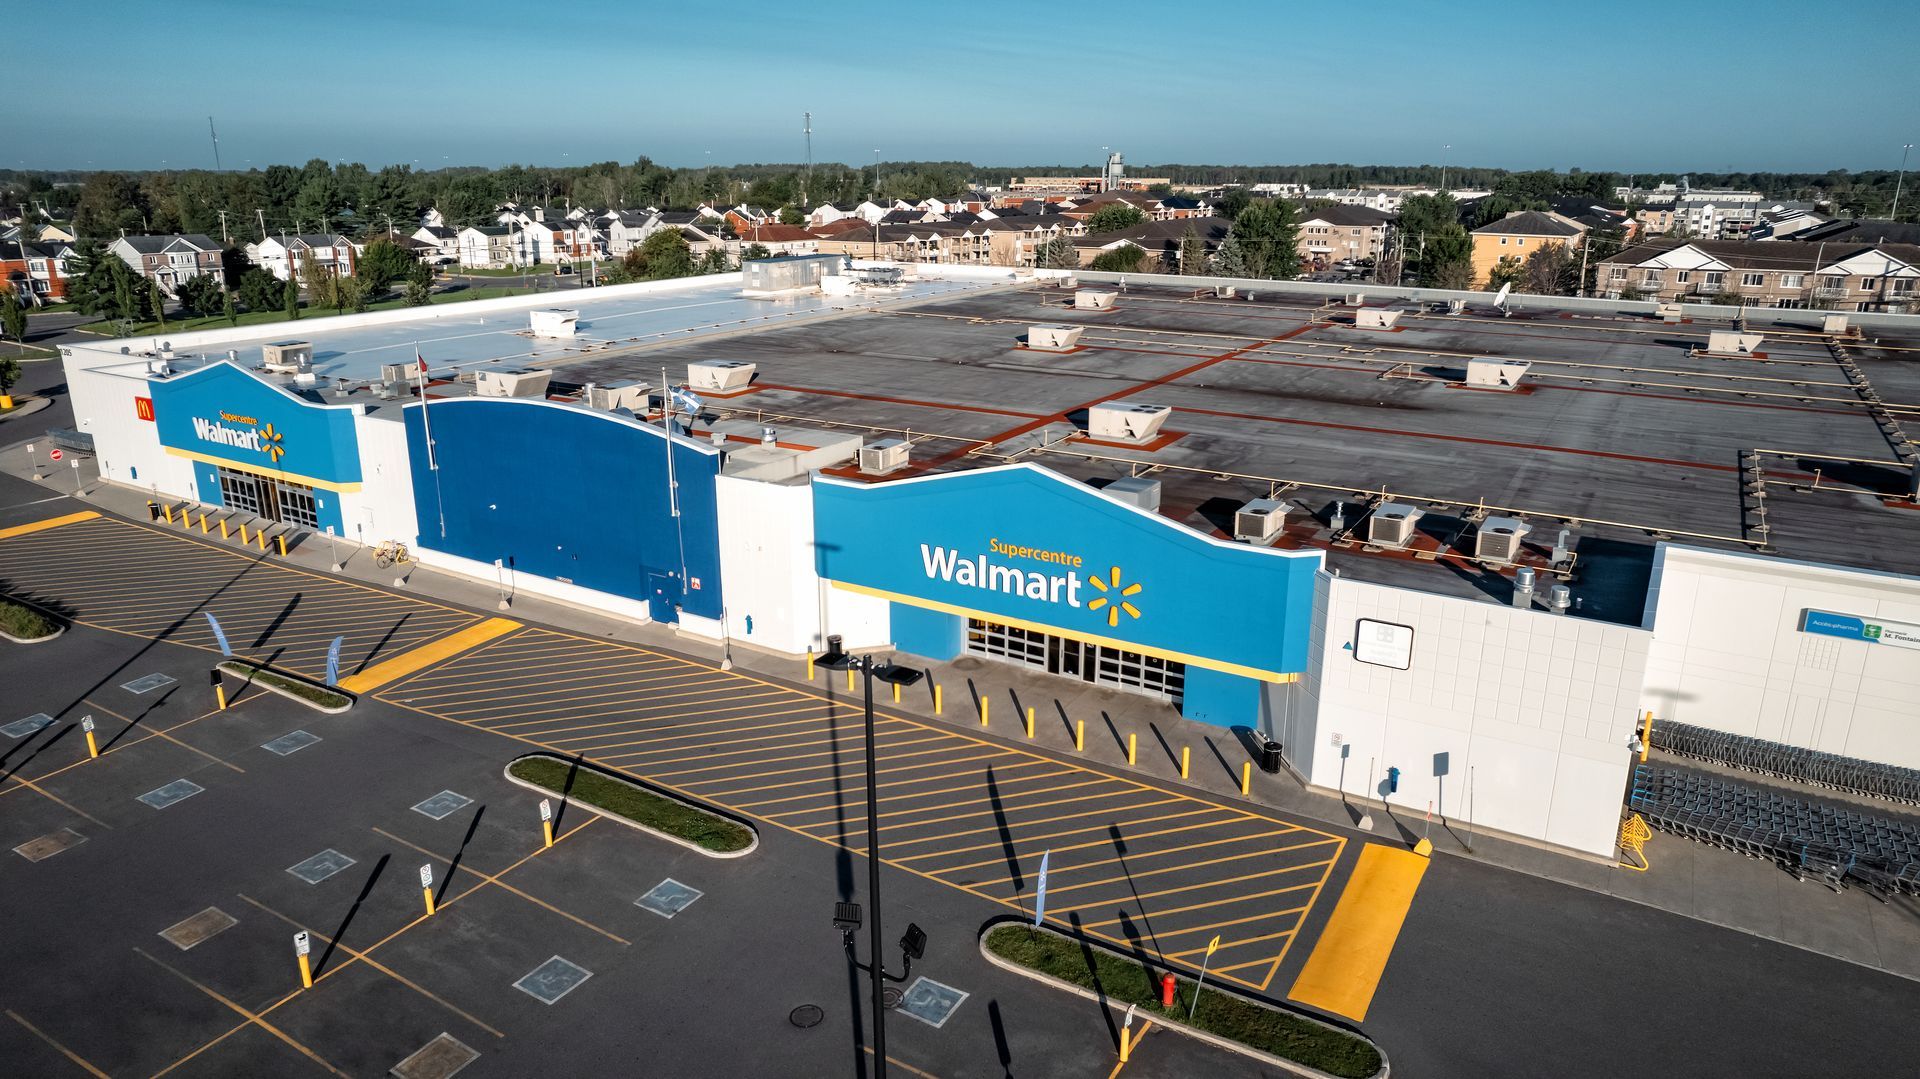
[1533, 711]
[127, 447]
[766, 568]
[383, 507]
[1728, 654]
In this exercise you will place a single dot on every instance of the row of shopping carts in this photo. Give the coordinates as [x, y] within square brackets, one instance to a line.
[1829, 770]
[1812, 839]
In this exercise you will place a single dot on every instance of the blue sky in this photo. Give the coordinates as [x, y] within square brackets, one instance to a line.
[1518, 85]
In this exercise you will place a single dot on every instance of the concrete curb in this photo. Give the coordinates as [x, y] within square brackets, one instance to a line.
[618, 819]
[1290, 1066]
[252, 668]
[27, 407]
[59, 624]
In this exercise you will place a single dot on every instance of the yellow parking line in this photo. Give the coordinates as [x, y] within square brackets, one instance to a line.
[1229, 901]
[855, 770]
[929, 793]
[426, 655]
[251, 1017]
[626, 700]
[1215, 927]
[1218, 883]
[1344, 968]
[639, 712]
[1182, 867]
[731, 734]
[1135, 857]
[494, 879]
[1103, 826]
[51, 522]
[842, 793]
[64, 1051]
[850, 751]
[700, 750]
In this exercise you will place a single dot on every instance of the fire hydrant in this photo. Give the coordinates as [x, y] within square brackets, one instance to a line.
[1167, 984]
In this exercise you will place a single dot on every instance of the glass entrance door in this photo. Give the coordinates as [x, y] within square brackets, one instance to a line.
[1084, 661]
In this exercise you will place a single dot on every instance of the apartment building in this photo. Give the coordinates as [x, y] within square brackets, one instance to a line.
[283, 256]
[1343, 233]
[1520, 234]
[168, 260]
[1832, 276]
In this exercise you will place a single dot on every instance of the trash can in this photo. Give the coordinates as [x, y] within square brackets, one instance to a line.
[1270, 758]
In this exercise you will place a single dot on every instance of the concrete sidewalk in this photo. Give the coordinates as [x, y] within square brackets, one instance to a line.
[1689, 879]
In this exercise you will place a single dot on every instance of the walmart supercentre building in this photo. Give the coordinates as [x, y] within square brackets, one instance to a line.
[1473, 545]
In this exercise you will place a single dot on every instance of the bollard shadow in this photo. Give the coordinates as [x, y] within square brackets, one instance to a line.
[1066, 722]
[1165, 747]
[1007, 849]
[366, 890]
[382, 642]
[453, 864]
[278, 620]
[1146, 920]
[1000, 1039]
[1099, 985]
[40, 748]
[1119, 740]
[1221, 757]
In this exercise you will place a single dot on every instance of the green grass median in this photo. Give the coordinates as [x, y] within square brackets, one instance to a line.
[585, 785]
[1128, 981]
[24, 622]
[306, 691]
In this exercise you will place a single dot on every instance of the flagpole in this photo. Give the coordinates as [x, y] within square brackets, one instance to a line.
[420, 364]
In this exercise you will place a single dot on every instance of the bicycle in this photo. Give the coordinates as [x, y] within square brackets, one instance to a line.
[390, 552]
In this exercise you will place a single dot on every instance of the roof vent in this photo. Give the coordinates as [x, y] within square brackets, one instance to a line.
[1089, 299]
[1728, 343]
[720, 376]
[1260, 521]
[1053, 338]
[1133, 423]
[1498, 540]
[1493, 373]
[883, 456]
[1375, 318]
[1136, 491]
[557, 322]
[1391, 525]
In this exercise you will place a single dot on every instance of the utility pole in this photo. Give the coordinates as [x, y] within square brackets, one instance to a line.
[1901, 182]
[262, 215]
[216, 144]
[1444, 152]
[223, 228]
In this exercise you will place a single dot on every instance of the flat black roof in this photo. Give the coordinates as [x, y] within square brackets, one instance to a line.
[1619, 432]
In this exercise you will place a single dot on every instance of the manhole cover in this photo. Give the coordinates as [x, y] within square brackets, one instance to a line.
[806, 1015]
[891, 997]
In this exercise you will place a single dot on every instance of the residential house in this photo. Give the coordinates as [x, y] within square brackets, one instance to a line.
[168, 260]
[826, 214]
[284, 256]
[442, 244]
[37, 272]
[1342, 233]
[780, 239]
[1832, 275]
[1161, 240]
[744, 217]
[622, 232]
[555, 239]
[487, 247]
[1518, 235]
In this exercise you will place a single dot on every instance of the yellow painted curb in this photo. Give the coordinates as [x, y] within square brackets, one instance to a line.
[1345, 968]
[51, 522]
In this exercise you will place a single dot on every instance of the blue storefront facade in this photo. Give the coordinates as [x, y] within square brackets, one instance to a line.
[576, 496]
[222, 417]
[1025, 547]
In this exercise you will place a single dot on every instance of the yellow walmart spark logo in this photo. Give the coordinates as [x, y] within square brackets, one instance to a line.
[1119, 602]
[270, 442]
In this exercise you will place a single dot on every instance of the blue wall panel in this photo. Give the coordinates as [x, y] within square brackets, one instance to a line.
[568, 494]
[1025, 544]
[224, 412]
[1225, 700]
[933, 634]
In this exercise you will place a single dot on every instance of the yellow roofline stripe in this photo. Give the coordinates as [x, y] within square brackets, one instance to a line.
[270, 473]
[1091, 638]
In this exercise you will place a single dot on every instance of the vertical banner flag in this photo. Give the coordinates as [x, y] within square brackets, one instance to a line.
[1040, 897]
[219, 635]
[333, 662]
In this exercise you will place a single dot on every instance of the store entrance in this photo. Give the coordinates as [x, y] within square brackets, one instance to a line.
[266, 496]
[1103, 665]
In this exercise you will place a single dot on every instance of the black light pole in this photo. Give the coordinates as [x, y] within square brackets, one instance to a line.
[847, 915]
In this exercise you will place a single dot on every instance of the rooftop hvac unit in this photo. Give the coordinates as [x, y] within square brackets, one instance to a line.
[554, 322]
[158, 366]
[720, 376]
[1260, 521]
[398, 372]
[1067, 281]
[1375, 318]
[1728, 343]
[286, 357]
[882, 456]
[1088, 299]
[1498, 539]
[1392, 524]
[1493, 373]
[629, 395]
[1136, 491]
[1356, 299]
[1831, 323]
[1053, 338]
[1455, 307]
[509, 382]
[1670, 312]
[1224, 292]
[1138, 422]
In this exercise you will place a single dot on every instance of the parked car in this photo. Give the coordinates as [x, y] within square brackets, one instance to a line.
[563, 270]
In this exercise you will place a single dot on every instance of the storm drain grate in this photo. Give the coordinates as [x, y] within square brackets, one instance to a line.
[178, 790]
[668, 898]
[321, 866]
[147, 683]
[441, 805]
[806, 1015]
[292, 742]
[20, 728]
[552, 980]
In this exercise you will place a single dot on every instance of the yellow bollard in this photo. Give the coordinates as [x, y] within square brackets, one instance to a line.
[896, 693]
[809, 664]
[186, 516]
[281, 539]
[1029, 723]
[93, 747]
[262, 535]
[1186, 752]
[1246, 776]
[203, 523]
[166, 513]
[1080, 734]
[428, 892]
[547, 827]
[306, 972]
[219, 689]
[223, 528]
[546, 819]
[849, 679]
[937, 695]
[243, 535]
[1133, 744]
[983, 711]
